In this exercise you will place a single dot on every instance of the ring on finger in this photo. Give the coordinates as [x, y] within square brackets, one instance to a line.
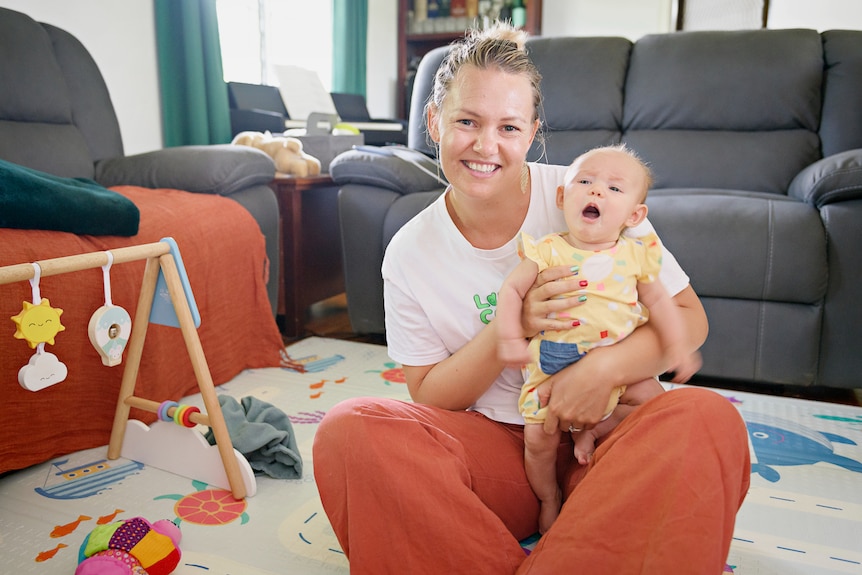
[573, 429]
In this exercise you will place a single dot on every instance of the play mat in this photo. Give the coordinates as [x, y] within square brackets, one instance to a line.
[803, 514]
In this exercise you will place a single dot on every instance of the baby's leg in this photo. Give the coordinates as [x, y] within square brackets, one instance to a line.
[634, 395]
[641, 392]
[540, 460]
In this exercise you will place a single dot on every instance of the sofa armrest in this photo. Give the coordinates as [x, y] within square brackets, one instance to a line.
[835, 178]
[396, 168]
[220, 169]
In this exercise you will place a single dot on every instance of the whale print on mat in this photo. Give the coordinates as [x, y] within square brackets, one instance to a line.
[779, 442]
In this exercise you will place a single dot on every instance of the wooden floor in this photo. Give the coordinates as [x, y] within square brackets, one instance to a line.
[328, 318]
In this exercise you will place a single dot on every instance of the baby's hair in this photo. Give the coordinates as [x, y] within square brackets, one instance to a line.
[499, 46]
[621, 147]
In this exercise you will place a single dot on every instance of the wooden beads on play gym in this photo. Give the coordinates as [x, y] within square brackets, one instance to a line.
[181, 414]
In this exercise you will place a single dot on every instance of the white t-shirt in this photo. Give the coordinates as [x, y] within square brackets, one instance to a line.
[440, 291]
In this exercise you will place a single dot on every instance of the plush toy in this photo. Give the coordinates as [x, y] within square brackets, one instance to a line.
[284, 150]
[131, 547]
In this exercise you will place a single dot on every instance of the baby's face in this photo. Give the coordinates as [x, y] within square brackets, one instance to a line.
[603, 192]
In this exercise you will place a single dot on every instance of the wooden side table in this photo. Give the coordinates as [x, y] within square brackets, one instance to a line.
[311, 267]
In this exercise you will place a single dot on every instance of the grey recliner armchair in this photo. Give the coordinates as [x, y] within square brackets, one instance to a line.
[56, 116]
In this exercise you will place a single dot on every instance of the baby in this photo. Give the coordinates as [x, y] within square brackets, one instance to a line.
[603, 195]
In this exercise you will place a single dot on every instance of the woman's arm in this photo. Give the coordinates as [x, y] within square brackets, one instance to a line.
[579, 393]
[459, 380]
[512, 347]
[667, 319]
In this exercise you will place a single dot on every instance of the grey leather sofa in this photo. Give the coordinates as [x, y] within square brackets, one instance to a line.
[755, 138]
[56, 116]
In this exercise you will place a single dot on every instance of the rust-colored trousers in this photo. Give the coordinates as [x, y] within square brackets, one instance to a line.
[415, 489]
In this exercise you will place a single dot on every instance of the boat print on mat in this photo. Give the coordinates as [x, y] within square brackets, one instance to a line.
[85, 480]
[778, 442]
[309, 363]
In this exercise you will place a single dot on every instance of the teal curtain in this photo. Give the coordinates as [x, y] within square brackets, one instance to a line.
[349, 39]
[194, 97]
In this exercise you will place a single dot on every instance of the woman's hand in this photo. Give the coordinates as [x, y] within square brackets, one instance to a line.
[579, 394]
[544, 299]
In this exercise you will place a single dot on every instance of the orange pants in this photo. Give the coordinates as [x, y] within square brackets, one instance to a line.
[415, 489]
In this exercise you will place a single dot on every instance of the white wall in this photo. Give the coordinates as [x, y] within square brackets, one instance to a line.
[382, 64]
[820, 14]
[628, 18]
[121, 38]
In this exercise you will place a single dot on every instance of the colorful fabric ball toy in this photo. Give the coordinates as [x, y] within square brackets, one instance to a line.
[131, 547]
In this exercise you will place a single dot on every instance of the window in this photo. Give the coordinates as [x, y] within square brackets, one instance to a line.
[257, 35]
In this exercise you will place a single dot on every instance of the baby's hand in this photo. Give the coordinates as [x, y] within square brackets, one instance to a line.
[685, 365]
[513, 352]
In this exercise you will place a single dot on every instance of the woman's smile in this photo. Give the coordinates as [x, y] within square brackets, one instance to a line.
[482, 167]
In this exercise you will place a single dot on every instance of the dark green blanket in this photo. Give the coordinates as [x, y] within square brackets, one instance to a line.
[34, 200]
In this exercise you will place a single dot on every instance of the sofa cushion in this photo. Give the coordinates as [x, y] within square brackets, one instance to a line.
[756, 340]
[757, 161]
[58, 149]
[395, 168]
[582, 91]
[28, 53]
[36, 113]
[218, 169]
[687, 112]
[691, 81]
[759, 246]
[92, 110]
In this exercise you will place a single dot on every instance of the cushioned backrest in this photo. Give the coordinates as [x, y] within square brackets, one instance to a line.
[582, 87]
[841, 125]
[55, 111]
[417, 135]
[92, 110]
[736, 110]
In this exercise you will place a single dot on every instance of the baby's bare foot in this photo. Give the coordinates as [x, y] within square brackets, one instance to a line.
[585, 445]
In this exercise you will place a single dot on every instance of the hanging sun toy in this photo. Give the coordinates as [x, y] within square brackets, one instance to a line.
[38, 323]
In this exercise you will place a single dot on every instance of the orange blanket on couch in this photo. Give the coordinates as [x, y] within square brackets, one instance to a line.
[225, 259]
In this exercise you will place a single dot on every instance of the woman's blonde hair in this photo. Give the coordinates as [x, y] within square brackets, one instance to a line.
[500, 46]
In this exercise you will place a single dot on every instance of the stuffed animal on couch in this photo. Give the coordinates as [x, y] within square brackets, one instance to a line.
[131, 547]
[285, 151]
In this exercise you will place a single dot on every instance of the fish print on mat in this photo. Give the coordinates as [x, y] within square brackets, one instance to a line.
[779, 442]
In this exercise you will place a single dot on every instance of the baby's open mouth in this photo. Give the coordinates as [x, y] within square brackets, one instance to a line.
[591, 212]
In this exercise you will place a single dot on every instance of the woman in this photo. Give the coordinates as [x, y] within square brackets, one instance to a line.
[438, 485]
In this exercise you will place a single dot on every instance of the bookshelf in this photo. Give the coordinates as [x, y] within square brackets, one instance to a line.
[418, 37]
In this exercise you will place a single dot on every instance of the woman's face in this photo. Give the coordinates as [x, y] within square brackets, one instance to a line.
[484, 130]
